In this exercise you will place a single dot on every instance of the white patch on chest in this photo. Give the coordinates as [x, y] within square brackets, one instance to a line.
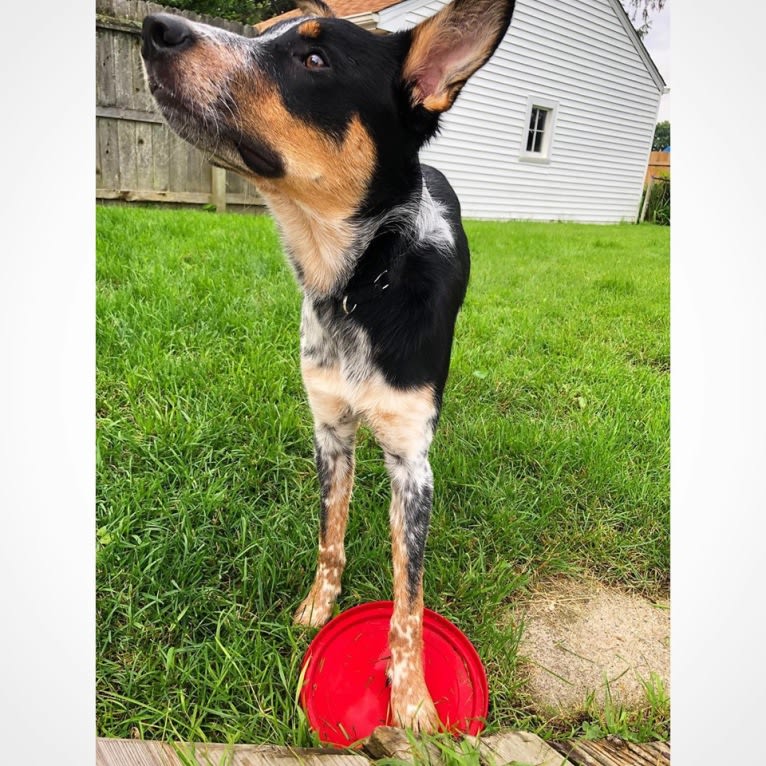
[431, 225]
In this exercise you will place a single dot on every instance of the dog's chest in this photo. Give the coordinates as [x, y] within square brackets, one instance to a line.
[333, 341]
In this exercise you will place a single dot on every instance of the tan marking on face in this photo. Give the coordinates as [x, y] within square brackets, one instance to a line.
[311, 29]
[326, 178]
[324, 184]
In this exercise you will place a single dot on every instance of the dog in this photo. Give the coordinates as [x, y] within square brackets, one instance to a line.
[327, 120]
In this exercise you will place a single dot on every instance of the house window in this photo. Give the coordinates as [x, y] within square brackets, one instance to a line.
[537, 139]
[536, 133]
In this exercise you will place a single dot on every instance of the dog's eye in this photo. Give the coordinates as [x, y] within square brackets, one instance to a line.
[314, 61]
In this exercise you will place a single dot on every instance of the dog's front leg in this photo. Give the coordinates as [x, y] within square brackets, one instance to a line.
[335, 428]
[411, 497]
[405, 430]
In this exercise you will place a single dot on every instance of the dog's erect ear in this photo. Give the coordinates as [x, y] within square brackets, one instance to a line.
[450, 46]
[315, 8]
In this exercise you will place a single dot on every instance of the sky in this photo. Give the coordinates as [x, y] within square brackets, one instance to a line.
[657, 42]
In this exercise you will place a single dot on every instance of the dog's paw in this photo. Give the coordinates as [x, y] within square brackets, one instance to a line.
[413, 708]
[314, 611]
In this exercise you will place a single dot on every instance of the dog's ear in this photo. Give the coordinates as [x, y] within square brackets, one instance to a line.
[450, 46]
[315, 8]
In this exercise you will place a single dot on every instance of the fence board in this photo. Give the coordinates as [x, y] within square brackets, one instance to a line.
[138, 158]
[659, 165]
[121, 9]
[160, 158]
[142, 98]
[123, 67]
[138, 90]
[134, 115]
[153, 8]
[236, 184]
[144, 160]
[105, 74]
[200, 172]
[126, 141]
[109, 153]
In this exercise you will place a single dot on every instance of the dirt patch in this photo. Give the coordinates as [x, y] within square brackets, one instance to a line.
[582, 639]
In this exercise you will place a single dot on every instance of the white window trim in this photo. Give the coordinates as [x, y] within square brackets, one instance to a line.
[542, 157]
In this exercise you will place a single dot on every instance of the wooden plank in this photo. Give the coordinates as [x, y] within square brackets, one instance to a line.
[235, 184]
[122, 9]
[663, 748]
[146, 195]
[105, 80]
[135, 11]
[199, 171]
[587, 756]
[123, 71]
[178, 167]
[127, 26]
[160, 140]
[239, 189]
[126, 141]
[122, 752]
[176, 197]
[615, 752]
[218, 188]
[144, 158]
[109, 154]
[647, 194]
[153, 8]
[139, 95]
[518, 747]
[143, 100]
[390, 742]
[134, 115]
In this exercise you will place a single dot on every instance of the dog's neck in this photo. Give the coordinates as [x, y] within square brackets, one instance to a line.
[325, 249]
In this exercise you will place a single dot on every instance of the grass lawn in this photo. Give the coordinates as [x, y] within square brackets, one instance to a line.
[552, 456]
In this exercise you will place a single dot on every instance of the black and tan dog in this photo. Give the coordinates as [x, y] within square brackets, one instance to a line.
[327, 120]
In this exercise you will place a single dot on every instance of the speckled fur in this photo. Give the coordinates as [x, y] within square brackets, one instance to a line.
[327, 120]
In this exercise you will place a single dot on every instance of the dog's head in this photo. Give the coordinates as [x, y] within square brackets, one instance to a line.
[316, 108]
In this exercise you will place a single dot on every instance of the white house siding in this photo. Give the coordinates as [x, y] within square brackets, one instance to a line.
[573, 52]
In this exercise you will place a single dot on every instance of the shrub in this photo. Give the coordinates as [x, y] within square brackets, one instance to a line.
[658, 207]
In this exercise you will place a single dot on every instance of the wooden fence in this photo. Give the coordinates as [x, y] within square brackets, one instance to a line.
[659, 166]
[138, 158]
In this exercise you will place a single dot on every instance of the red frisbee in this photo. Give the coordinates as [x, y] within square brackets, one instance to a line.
[345, 692]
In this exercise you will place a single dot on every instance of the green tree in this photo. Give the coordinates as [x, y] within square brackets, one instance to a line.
[639, 11]
[253, 11]
[245, 11]
[661, 136]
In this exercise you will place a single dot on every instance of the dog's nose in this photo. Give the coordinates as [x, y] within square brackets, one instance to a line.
[163, 34]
